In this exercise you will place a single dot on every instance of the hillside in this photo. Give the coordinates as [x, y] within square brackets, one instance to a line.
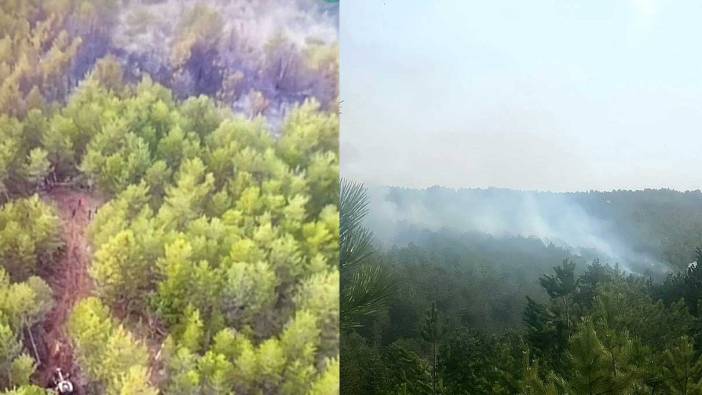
[501, 291]
[646, 231]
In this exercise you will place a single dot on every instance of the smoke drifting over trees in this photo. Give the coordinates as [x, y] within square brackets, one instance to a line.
[514, 292]
[633, 228]
[259, 57]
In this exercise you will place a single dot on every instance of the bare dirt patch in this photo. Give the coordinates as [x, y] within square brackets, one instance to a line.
[70, 281]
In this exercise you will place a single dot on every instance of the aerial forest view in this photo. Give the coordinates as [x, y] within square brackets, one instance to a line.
[169, 188]
[521, 210]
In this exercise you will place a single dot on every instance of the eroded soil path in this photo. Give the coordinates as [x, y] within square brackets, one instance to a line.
[69, 280]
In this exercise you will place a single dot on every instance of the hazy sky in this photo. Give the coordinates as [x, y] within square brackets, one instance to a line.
[549, 95]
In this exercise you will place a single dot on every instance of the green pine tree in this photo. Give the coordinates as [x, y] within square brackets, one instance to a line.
[681, 369]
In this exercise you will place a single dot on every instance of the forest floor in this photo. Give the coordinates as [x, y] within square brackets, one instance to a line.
[70, 282]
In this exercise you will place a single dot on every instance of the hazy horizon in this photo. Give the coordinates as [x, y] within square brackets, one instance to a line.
[459, 188]
[595, 96]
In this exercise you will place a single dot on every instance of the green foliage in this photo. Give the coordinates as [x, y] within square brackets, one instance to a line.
[306, 132]
[25, 390]
[108, 72]
[319, 294]
[531, 382]
[9, 352]
[595, 368]
[233, 361]
[214, 226]
[409, 372]
[134, 382]
[465, 363]
[249, 288]
[561, 284]
[29, 236]
[187, 200]
[179, 280]
[38, 166]
[21, 369]
[365, 287]
[36, 53]
[116, 158]
[682, 369]
[192, 337]
[22, 305]
[550, 326]
[121, 272]
[328, 382]
[219, 230]
[109, 355]
[594, 331]
[24, 162]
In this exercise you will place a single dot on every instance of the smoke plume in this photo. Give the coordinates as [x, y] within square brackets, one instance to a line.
[556, 218]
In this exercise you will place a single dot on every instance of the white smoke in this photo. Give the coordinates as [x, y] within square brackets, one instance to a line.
[254, 55]
[253, 22]
[553, 218]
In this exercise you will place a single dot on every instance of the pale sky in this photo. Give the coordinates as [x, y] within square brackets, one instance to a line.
[557, 95]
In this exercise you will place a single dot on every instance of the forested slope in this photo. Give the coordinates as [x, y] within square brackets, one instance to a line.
[505, 311]
[649, 231]
[212, 245]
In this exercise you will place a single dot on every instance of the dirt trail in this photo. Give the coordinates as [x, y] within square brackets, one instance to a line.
[68, 279]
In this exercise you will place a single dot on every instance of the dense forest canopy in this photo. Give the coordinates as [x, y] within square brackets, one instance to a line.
[493, 294]
[209, 131]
